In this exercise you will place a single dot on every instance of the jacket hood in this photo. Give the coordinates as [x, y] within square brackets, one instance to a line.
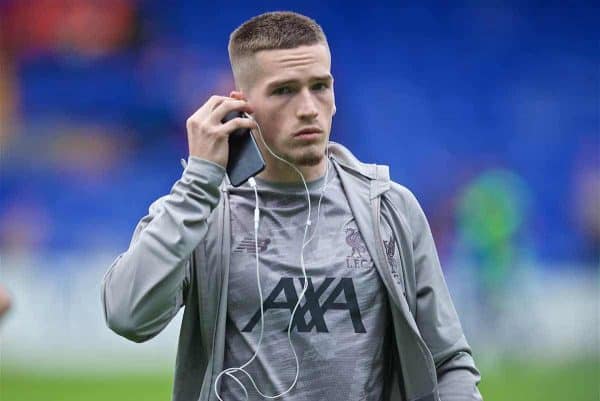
[379, 175]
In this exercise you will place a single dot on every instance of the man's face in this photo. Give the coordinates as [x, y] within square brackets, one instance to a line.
[291, 92]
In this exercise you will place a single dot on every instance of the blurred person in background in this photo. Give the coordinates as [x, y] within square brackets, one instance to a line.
[494, 247]
[4, 301]
[393, 335]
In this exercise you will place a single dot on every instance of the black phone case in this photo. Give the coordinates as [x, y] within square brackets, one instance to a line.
[245, 159]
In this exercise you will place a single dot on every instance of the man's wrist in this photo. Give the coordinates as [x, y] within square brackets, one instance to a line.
[205, 170]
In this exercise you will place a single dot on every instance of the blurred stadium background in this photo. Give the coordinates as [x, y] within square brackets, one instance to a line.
[490, 114]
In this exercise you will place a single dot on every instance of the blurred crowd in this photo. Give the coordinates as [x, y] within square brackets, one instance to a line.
[489, 114]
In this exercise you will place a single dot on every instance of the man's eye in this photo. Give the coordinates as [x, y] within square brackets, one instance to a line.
[320, 86]
[282, 90]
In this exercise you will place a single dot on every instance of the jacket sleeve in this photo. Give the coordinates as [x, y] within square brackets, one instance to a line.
[436, 316]
[144, 287]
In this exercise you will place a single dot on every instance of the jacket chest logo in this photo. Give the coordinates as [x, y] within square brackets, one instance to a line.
[390, 251]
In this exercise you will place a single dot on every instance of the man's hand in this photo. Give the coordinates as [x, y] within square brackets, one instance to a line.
[207, 136]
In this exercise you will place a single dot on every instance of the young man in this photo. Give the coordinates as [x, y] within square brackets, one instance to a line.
[375, 321]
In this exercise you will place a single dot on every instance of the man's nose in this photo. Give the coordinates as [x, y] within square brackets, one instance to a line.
[307, 107]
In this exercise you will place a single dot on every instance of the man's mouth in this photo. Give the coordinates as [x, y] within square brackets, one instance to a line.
[308, 133]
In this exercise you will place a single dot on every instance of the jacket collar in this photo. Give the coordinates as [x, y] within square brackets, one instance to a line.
[378, 175]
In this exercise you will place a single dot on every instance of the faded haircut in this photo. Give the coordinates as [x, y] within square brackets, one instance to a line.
[269, 31]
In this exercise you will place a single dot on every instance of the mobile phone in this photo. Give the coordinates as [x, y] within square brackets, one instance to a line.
[245, 159]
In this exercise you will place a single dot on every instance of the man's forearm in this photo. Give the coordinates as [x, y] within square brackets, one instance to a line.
[458, 379]
[143, 289]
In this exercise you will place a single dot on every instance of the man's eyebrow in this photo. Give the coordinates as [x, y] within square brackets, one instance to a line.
[327, 77]
[274, 84]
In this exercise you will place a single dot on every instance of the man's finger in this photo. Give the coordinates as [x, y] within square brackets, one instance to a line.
[236, 123]
[215, 101]
[229, 105]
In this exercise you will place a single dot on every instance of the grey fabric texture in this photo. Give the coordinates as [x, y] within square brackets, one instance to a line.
[180, 255]
[340, 329]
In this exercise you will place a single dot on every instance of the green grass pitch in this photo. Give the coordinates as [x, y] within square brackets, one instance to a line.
[574, 381]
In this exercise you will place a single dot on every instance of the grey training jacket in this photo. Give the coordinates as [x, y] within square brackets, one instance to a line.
[179, 255]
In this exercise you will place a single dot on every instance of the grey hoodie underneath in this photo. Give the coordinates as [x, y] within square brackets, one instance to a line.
[338, 332]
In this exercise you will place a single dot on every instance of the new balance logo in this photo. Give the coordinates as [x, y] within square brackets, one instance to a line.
[247, 245]
[312, 306]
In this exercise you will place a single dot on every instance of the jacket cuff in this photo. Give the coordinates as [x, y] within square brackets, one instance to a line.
[202, 170]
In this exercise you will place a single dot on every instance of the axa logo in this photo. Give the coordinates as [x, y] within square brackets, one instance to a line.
[311, 314]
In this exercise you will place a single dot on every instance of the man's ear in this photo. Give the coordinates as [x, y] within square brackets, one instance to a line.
[237, 94]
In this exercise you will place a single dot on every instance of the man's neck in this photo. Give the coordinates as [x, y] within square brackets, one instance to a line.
[277, 171]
